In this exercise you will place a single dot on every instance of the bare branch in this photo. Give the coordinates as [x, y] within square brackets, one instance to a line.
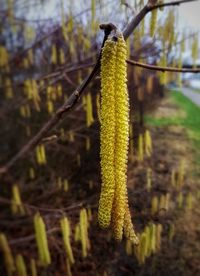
[172, 3]
[163, 69]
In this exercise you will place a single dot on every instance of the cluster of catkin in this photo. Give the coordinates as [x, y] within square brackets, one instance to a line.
[114, 136]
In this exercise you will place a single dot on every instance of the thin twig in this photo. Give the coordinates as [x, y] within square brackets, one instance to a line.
[163, 69]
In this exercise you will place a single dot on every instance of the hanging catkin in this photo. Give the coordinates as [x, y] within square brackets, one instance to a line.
[107, 135]
[113, 204]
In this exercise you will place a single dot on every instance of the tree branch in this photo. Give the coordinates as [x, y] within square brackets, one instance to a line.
[172, 3]
[163, 69]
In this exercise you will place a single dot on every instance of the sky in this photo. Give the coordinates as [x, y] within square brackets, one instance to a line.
[189, 15]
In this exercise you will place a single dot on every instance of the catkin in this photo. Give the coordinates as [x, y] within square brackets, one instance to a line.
[41, 239]
[16, 205]
[121, 138]
[66, 231]
[8, 258]
[153, 22]
[33, 268]
[107, 135]
[113, 204]
[20, 265]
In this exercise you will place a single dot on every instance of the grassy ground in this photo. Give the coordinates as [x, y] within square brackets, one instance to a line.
[187, 116]
[179, 119]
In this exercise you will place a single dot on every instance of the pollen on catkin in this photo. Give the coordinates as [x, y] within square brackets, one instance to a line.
[107, 135]
[121, 138]
[114, 137]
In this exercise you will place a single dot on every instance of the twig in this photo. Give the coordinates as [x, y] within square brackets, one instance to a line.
[45, 209]
[163, 69]
[32, 237]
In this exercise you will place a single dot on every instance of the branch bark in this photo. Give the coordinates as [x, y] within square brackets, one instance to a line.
[163, 69]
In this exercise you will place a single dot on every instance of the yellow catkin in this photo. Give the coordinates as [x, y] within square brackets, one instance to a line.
[107, 135]
[113, 204]
[59, 183]
[41, 155]
[9, 88]
[158, 236]
[148, 143]
[195, 50]
[84, 232]
[142, 248]
[31, 56]
[16, 205]
[41, 239]
[163, 75]
[148, 241]
[153, 237]
[4, 56]
[59, 90]
[167, 201]
[71, 136]
[8, 258]
[69, 273]
[89, 213]
[180, 174]
[54, 58]
[129, 231]
[89, 111]
[153, 22]
[62, 56]
[154, 205]
[31, 173]
[121, 139]
[33, 268]
[77, 233]
[171, 232]
[20, 266]
[65, 185]
[140, 148]
[50, 107]
[149, 179]
[66, 232]
[180, 200]
[35, 95]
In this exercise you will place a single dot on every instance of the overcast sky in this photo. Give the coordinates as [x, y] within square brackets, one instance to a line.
[189, 14]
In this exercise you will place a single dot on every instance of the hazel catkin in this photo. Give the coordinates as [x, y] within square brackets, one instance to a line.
[107, 135]
[114, 137]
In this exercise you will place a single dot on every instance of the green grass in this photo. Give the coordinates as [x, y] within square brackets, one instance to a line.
[191, 120]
